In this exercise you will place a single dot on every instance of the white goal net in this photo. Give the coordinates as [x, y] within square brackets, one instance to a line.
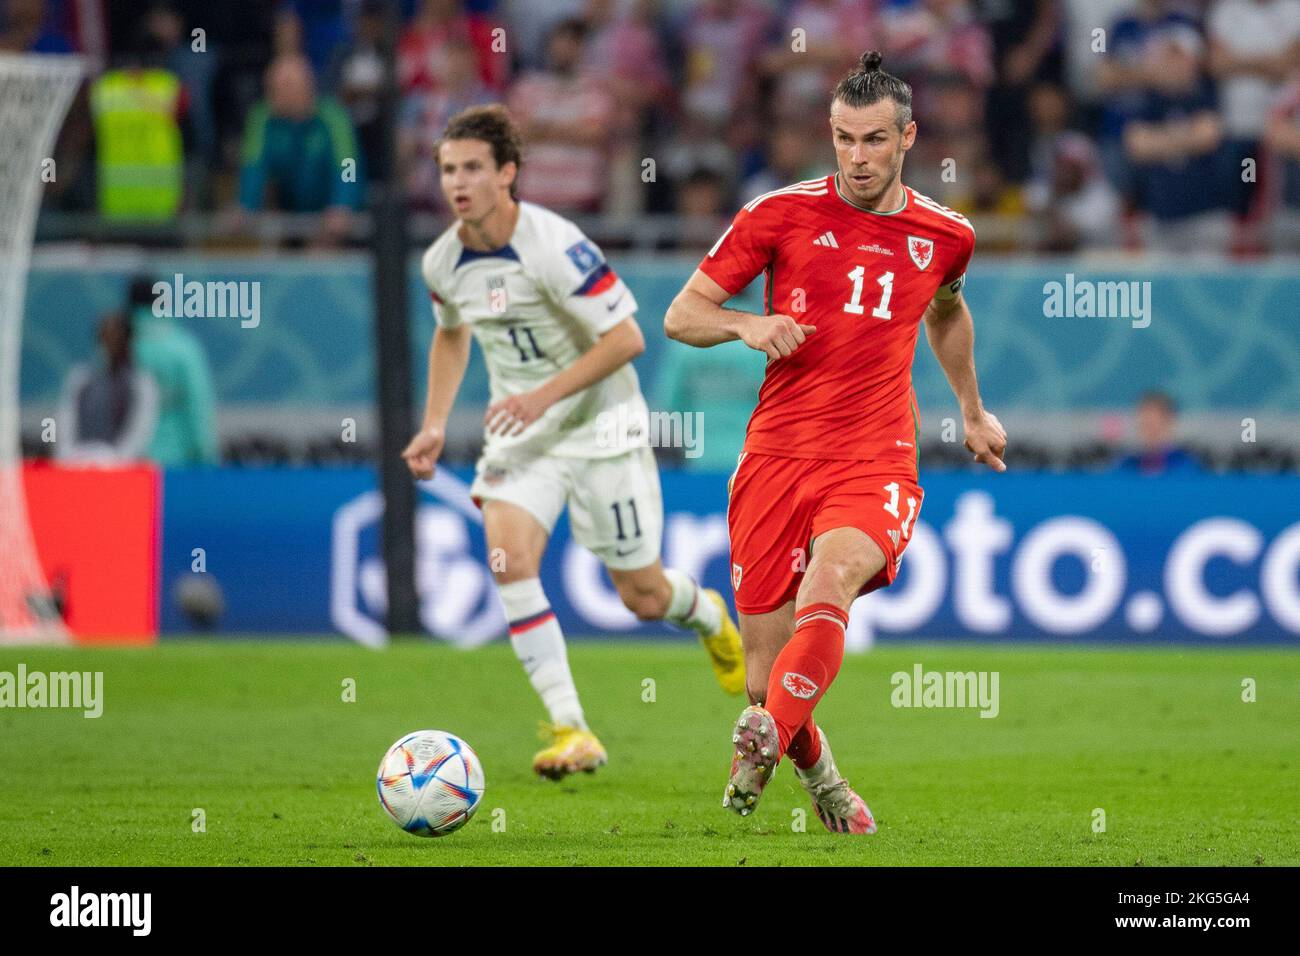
[35, 92]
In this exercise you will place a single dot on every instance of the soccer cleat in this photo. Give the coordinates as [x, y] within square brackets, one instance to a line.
[838, 807]
[725, 653]
[755, 758]
[570, 750]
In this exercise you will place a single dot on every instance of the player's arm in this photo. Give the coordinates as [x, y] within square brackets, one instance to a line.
[448, 358]
[696, 317]
[951, 333]
[614, 349]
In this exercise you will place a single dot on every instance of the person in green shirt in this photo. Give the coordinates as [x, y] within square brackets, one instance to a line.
[173, 356]
[303, 148]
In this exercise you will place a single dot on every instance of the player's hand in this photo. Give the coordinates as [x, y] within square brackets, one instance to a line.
[776, 335]
[512, 414]
[986, 439]
[422, 453]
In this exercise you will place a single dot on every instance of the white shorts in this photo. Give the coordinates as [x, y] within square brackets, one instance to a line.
[616, 509]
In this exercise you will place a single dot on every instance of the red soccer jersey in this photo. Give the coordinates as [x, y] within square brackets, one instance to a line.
[864, 280]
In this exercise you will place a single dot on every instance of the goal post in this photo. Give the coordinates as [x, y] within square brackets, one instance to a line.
[35, 92]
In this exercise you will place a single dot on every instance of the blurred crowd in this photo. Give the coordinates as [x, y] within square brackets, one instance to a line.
[1057, 125]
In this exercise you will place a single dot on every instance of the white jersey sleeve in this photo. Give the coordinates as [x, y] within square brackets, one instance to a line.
[581, 282]
[435, 268]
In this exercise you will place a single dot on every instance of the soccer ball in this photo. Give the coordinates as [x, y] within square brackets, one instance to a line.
[430, 783]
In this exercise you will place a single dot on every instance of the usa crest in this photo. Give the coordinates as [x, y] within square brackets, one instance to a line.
[498, 300]
[921, 251]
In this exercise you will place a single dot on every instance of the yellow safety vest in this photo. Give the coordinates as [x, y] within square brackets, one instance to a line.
[140, 162]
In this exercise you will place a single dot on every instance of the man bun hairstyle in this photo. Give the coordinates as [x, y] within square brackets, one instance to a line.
[870, 84]
[494, 126]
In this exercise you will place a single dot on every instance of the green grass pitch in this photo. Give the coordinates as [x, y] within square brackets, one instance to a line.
[257, 735]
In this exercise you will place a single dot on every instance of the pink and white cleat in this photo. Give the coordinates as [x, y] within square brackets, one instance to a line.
[838, 807]
[755, 758]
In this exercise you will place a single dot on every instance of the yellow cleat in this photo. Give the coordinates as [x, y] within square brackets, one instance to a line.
[725, 653]
[570, 750]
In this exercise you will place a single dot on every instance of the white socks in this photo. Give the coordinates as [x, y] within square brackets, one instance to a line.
[538, 642]
[689, 606]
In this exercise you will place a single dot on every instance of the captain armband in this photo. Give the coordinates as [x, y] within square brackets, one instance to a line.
[949, 290]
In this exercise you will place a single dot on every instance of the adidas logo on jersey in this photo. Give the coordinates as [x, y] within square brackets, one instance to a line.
[826, 239]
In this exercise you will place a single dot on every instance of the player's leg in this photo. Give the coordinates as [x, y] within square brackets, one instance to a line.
[802, 667]
[843, 561]
[763, 636]
[861, 532]
[616, 512]
[754, 738]
[769, 523]
[520, 506]
[656, 593]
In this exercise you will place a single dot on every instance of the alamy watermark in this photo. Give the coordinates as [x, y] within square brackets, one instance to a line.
[626, 428]
[130, 910]
[1086, 299]
[193, 299]
[922, 688]
[79, 690]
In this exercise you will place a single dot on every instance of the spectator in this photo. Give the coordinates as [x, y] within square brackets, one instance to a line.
[1253, 46]
[566, 117]
[995, 206]
[1282, 137]
[196, 71]
[694, 145]
[109, 407]
[359, 78]
[437, 27]
[424, 117]
[939, 38]
[833, 35]
[940, 163]
[721, 40]
[303, 147]
[701, 206]
[173, 356]
[28, 28]
[1088, 41]
[788, 161]
[138, 148]
[320, 28]
[1049, 116]
[1025, 35]
[623, 49]
[1173, 143]
[1128, 71]
[1075, 204]
[1155, 421]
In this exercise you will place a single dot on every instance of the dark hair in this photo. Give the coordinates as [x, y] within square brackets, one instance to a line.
[870, 84]
[493, 125]
[139, 293]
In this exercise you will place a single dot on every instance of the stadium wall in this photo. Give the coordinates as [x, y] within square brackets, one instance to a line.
[1218, 336]
[1013, 557]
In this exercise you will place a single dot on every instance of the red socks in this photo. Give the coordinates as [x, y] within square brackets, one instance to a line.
[800, 675]
[805, 746]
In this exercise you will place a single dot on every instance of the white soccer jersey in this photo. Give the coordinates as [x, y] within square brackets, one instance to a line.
[536, 305]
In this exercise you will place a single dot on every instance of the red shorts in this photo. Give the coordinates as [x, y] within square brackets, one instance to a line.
[778, 505]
